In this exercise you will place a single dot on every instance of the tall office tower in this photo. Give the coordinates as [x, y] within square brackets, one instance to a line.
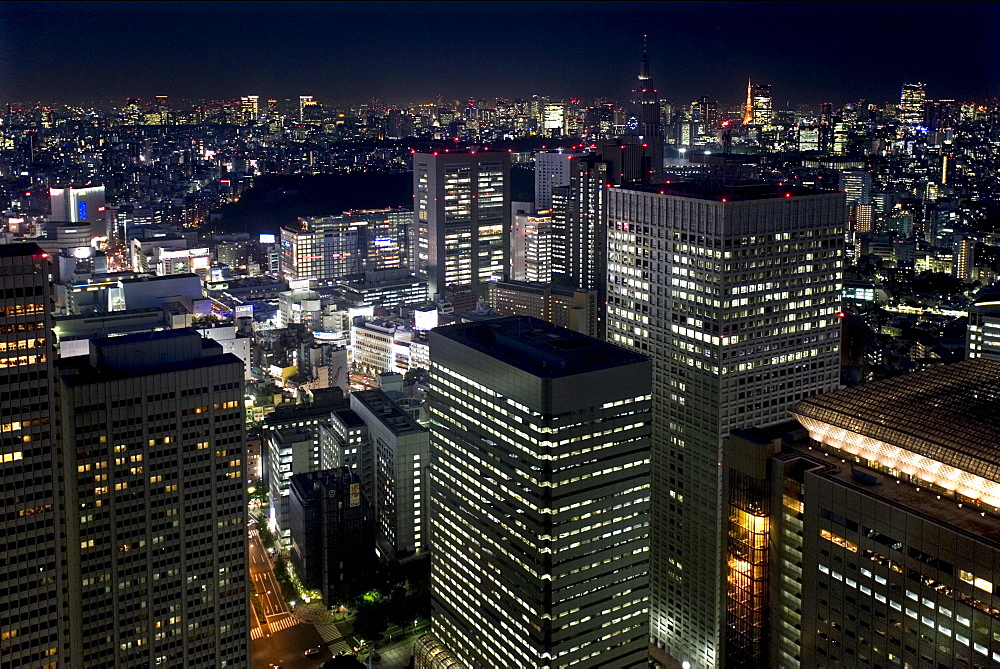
[328, 249]
[965, 257]
[982, 338]
[31, 622]
[552, 168]
[539, 516]
[810, 138]
[911, 103]
[645, 99]
[153, 459]
[579, 235]
[554, 119]
[298, 448]
[290, 451]
[872, 540]
[645, 128]
[857, 184]
[462, 218]
[531, 246]
[250, 108]
[758, 108]
[401, 459]
[734, 293]
[706, 111]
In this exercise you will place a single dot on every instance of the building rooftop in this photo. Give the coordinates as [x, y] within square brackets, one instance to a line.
[387, 412]
[925, 502]
[20, 249]
[537, 347]
[947, 413]
[151, 279]
[716, 190]
[348, 418]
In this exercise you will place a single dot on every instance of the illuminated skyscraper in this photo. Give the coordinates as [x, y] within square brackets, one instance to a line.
[578, 230]
[911, 103]
[983, 334]
[31, 578]
[734, 293]
[250, 108]
[758, 108]
[462, 216]
[531, 246]
[539, 497]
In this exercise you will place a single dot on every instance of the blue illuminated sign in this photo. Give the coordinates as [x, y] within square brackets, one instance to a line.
[383, 241]
[81, 209]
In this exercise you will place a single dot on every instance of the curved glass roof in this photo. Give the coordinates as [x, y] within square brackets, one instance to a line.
[949, 413]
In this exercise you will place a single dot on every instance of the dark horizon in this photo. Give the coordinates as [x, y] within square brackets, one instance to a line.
[75, 52]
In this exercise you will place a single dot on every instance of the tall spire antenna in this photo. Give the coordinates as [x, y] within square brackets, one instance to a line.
[644, 67]
[748, 108]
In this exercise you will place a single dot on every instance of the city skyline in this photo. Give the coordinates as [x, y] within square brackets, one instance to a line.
[223, 50]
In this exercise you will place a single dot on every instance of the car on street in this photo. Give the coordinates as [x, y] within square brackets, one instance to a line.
[314, 651]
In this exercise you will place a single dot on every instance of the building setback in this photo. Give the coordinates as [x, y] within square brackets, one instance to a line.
[734, 293]
[540, 495]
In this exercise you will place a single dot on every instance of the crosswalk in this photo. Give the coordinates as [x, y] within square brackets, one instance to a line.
[282, 624]
[328, 632]
[339, 647]
[256, 633]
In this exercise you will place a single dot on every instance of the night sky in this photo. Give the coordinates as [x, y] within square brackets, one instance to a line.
[349, 52]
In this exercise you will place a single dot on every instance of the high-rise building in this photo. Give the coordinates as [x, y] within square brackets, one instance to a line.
[250, 108]
[871, 540]
[965, 257]
[32, 579]
[645, 99]
[645, 127]
[153, 458]
[552, 168]
[554, 119]
[857, 184]
[571, 308]
[306, 105]
[462, 218]
[758, 107]
[290, 451]
[401, 460]
[734, 293]
[540, 496]
[531, 245]
[579, 235]
[912, 98]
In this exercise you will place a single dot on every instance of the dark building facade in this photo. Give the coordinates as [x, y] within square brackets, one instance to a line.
[332, 531]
